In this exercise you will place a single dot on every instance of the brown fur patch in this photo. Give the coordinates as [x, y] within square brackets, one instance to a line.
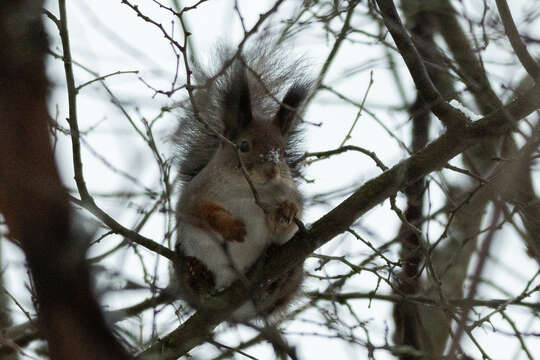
[221, 221]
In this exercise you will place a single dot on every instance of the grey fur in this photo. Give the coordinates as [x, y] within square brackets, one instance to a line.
[270, 74]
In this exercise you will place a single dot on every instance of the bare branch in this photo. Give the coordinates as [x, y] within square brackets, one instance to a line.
[447, 114]
[434, 156]
[519, 47]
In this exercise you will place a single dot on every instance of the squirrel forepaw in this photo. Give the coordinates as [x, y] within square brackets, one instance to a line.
[285, 213]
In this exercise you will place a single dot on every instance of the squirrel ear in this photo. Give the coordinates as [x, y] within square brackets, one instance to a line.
[237, 103]
[293, 98]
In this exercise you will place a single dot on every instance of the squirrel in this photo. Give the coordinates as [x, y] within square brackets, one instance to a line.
[238, 151]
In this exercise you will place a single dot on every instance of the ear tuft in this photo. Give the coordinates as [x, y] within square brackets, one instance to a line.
[296, 94]
[237, 102]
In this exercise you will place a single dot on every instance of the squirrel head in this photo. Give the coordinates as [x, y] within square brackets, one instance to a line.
[255, 101]
[261, 141]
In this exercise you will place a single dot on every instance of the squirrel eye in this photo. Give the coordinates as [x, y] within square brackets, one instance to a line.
[244, 146]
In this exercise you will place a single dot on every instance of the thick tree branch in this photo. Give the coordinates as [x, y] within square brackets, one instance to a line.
[434, 156]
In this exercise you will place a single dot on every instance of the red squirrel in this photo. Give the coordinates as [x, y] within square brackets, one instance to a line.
[238, 146]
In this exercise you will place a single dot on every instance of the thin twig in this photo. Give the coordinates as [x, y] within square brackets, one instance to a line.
[78, 88]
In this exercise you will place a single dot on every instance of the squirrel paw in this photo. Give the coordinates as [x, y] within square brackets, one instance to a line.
[197, 276]
[285, 212]
[234, 230]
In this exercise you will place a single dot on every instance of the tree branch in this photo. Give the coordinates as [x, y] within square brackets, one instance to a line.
[421, 300]
[434, 156]
[33, 200]
[519, 47]
[87, 201]
[449, 116]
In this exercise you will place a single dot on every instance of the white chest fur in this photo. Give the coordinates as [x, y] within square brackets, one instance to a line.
[227, 259]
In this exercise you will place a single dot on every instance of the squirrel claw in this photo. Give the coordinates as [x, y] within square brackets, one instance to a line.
[286, 212]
